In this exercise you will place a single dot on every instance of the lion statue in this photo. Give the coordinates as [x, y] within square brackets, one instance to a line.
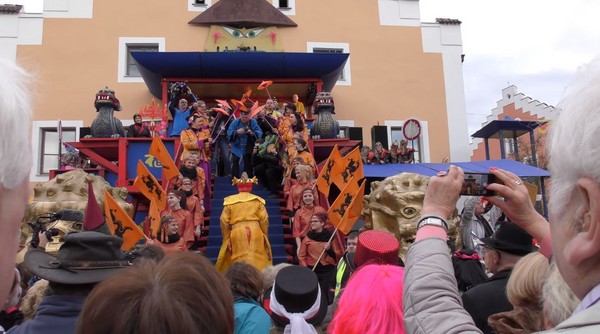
[394, 205]
[67, 191]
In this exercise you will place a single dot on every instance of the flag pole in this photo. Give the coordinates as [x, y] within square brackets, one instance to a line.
[323, 252]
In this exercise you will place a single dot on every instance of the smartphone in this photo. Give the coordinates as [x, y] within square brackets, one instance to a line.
[475, 184]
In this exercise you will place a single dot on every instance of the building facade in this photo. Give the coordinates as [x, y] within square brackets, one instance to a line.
[399, 68]
[516, 106]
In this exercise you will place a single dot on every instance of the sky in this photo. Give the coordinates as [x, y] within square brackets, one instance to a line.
[536, 45]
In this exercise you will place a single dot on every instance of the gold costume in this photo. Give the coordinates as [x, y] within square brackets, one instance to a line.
[244, 225]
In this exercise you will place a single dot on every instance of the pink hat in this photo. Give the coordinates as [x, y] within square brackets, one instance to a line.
[376, 247]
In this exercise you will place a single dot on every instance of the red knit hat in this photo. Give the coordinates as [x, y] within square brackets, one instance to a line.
[376, 247]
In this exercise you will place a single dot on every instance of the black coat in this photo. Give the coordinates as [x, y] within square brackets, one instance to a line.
[487, 298]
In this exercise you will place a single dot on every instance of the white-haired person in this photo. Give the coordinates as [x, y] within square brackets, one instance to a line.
[558, 300]
[15, 164]
[432, 305]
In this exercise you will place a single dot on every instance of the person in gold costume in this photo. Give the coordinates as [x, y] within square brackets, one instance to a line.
[244, 225]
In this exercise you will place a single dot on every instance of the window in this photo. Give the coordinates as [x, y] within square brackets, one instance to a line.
[331, 50]
[132, 69]
[343, 132]
[49, 147]
[509, 146]
[397, 135]
[128, 70]
[287, 7]
[199, 5]
[345, 78]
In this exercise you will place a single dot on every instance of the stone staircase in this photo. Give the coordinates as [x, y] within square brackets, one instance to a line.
[279, 230]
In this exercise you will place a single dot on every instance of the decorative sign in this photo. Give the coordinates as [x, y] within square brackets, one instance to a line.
[411, 129]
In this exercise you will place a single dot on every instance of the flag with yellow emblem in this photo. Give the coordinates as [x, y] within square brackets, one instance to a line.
[347, 208]
[147, 184]
[120, 224]
[331, 168]
[159, 151]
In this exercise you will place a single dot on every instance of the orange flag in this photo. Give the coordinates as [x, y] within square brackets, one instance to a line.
[154, 217]
[351, 169]
[120, 224]
[159, 151]
[347, 208]
[148, 186]
[331, 168]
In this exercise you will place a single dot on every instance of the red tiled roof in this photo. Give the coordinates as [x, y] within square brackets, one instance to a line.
[447, 21]
[10, 9]
[243, 13]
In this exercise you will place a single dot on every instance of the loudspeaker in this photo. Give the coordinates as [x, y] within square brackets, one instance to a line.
[355, 133]
[85, 131]
[379, 134]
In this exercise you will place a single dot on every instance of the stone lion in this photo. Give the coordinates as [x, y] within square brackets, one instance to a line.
[67, 191]
[394, 205]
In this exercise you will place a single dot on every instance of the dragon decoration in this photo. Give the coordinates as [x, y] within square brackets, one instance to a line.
[67, 191]
[324, 126]
[106, 125]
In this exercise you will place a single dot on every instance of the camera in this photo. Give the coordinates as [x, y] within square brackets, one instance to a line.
[475, 184]
[40, 225]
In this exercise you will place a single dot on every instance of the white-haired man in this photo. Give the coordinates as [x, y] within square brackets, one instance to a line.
[15, 164]
[432, 305]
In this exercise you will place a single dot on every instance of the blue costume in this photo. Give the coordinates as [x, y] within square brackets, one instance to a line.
[179, 122]
[241, 145]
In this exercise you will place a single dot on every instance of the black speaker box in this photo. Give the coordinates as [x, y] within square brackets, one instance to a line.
[379, 134]
[355, 133]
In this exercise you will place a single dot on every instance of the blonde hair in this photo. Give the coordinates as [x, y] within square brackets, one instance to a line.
[524, 287]
[33, 298]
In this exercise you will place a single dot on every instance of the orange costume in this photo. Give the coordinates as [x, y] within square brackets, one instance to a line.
[287, 135]
[302, 219]
[310, 250]
[244, 225]
[186, 224]
[178, 246]
[194, 206]
[295, 197]
[196, 141]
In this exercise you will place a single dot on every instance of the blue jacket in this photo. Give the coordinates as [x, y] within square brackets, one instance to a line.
[55, 315]
[250, 318]
[239, 142]
[179, 122]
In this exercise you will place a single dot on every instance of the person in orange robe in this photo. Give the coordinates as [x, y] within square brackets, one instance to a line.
[304, 214]
[193, 205]
[196, 141]
[305, 180]
[244, 225]
[183, 217]
[168, 238]
[317, 242]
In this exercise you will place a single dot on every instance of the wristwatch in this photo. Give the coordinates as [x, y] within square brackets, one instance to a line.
[433, 220]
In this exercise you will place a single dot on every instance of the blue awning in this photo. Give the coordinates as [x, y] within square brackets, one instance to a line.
[430, 169]
[492, 129]
[155, 66]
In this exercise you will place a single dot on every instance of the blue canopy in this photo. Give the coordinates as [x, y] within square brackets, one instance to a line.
[430, 169]
[493, 128]
[155, 66]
